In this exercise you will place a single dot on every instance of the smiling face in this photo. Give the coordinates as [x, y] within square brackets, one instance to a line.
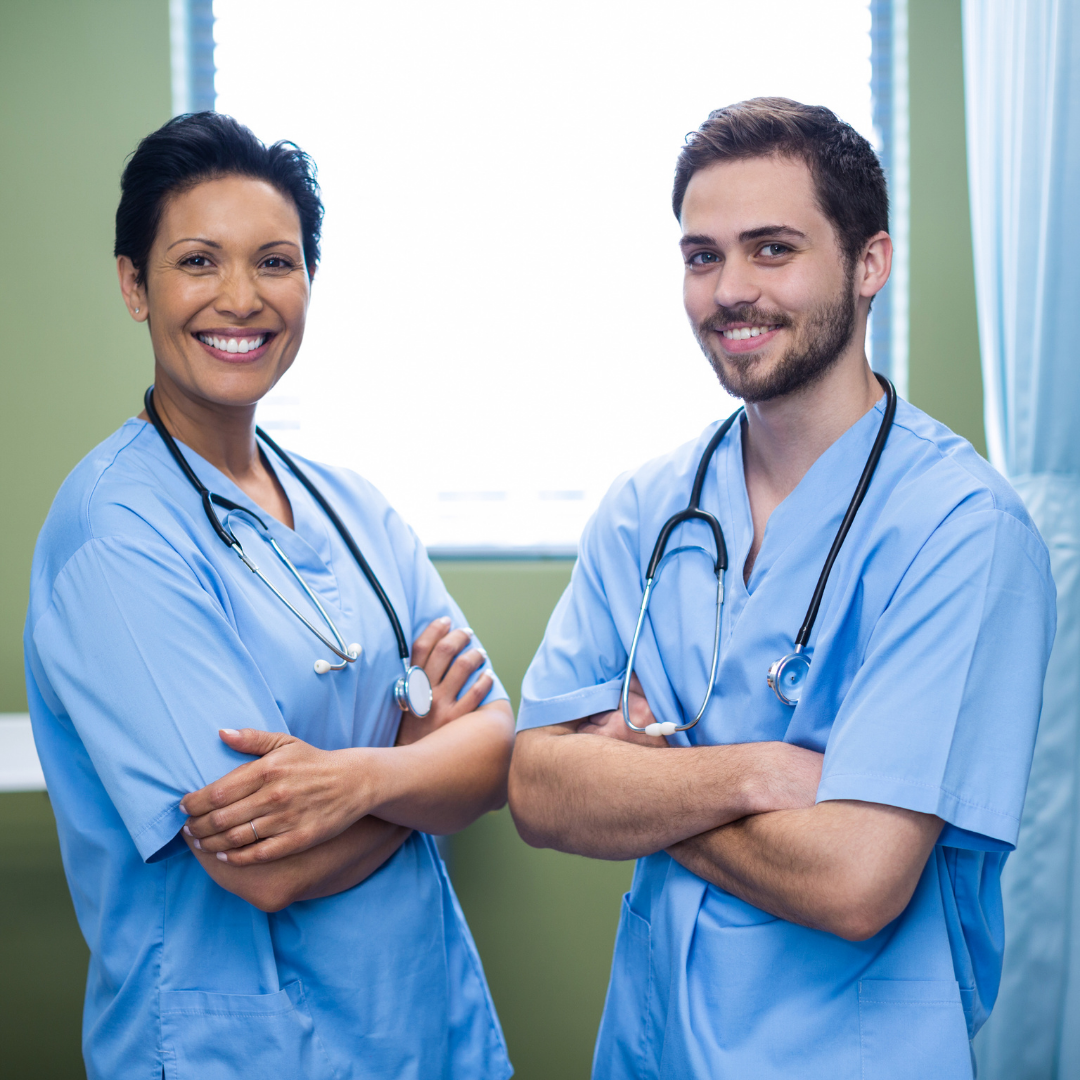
[771, 297]
[225, 291]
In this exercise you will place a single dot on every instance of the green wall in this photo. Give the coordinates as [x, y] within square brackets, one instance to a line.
[544, 922]
[80, 83]
[944, 376]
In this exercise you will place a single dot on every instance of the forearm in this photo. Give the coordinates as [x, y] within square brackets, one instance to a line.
[610, 799]
[329, 868]
[446, 780]
[845, 867]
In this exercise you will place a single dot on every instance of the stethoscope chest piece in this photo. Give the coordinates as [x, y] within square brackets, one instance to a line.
[412, 692]
[787, 677]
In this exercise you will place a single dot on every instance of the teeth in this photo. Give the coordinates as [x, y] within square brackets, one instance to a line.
[744, 332]
[232, 344]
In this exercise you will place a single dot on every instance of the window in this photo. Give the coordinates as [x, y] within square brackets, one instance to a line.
[496, 330]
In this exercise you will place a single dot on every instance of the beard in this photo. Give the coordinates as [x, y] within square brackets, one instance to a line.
[819, 340]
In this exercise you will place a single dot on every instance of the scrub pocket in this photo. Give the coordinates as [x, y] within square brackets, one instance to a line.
[233, 1036]
[913, 1030]
[625, 1047]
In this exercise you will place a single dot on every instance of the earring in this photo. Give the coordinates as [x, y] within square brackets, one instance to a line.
[136, 311]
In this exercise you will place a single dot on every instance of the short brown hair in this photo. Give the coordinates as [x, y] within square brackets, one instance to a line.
[850, 183]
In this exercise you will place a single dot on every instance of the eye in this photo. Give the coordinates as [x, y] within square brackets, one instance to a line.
[703, 258]
[775, 251]
[278, 262]
[196, 261]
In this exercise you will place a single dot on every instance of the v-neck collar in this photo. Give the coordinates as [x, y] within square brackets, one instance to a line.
[829, 480]
[310, 534]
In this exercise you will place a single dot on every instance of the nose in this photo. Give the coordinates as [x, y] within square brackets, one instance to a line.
[239, 296]
[736, 285]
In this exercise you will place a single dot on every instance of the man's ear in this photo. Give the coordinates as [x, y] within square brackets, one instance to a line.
[133, 291]
[874, 265]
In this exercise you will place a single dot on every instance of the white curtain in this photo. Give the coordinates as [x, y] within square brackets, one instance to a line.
[1022, 73]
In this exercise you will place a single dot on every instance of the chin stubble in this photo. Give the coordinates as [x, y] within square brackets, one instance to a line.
[824, 336]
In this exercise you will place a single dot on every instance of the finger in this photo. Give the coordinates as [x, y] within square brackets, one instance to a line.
[243, 781]
[427, 641]
[277, 847]
[470, 700]
[442, 656]
[460, 672]
[256, 854]
[226, 818]
[253, 741]
[239, 837]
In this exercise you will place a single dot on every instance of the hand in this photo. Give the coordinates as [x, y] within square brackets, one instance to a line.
[295, 795]
[440, 652]
[611, 725]
[784, 776]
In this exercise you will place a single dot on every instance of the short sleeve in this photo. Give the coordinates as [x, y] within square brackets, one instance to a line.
[579, 667]
[144, 661]
[942, 714]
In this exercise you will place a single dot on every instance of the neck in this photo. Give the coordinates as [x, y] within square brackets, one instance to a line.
[785, 436]
[223, 435]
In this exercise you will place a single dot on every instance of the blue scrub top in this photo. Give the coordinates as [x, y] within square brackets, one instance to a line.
[924, 692]
[145, 635]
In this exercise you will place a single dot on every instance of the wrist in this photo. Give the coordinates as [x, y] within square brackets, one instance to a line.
[364, 784]
[754, 778]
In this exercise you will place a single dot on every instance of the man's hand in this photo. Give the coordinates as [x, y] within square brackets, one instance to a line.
[611, 725]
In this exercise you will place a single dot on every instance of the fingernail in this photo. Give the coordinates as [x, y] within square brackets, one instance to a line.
[468, 630]
[229, 731]
[195, 844]
[445, 620]
[187, 830]
[183, 809]
[222, 856]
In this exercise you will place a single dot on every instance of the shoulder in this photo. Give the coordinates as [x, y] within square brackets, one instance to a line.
[111, 493]
[355, 498]
[659, 487]
[940, 479]
[114, 477]
[364, 509]
[947, 471]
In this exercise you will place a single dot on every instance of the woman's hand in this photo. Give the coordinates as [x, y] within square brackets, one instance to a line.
[442, 653]
[294, 797]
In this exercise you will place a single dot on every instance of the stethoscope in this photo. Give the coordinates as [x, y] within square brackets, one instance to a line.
[412, 689]
[786, 676]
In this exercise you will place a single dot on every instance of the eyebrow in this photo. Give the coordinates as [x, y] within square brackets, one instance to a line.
[193, 240]
[211, 243]
[744, 237]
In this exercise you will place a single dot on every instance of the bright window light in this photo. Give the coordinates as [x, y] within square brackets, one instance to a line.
[496, 330]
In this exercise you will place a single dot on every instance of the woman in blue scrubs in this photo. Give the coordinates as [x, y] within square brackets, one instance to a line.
[323, 938]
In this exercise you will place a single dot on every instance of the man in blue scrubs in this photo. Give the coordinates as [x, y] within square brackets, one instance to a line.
[817, 887]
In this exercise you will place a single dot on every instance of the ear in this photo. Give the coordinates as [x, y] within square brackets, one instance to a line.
[874, 265]
[133, 292]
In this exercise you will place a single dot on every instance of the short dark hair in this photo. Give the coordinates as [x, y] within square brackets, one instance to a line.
[203, 146]
[848, 177]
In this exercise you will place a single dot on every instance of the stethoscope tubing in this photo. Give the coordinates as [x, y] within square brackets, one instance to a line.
[694, 512]
[658, 560]
[209, 500]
